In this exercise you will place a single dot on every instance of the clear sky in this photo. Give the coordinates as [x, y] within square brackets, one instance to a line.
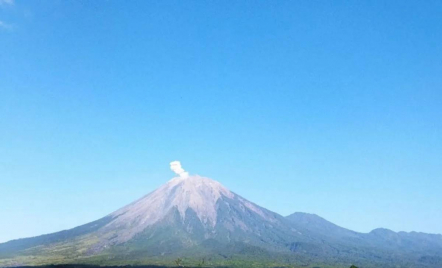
[327, 107]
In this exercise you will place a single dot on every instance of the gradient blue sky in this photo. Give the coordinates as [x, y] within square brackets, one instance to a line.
[327, 107]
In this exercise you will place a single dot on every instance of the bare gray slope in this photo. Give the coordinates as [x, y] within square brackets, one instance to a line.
[212, 206]
[199, 209]
[196, 193]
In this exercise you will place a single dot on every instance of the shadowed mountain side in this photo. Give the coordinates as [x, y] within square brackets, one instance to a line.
[380, 243]
[409, 242]
[318, 225]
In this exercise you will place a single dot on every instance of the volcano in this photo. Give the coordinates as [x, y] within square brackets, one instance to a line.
[193, 209]
[195, 217]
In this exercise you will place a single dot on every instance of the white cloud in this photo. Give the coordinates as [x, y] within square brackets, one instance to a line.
[5, 26]
[6, 2]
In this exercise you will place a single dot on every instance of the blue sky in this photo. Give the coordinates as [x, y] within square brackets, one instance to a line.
[331, 108]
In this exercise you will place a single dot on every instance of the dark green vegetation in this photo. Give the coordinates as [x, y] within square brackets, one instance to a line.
[178, 262]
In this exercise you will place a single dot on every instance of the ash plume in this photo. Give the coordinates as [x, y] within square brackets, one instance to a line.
[175, 166]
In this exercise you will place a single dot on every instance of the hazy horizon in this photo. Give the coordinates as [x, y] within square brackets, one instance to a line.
[331, 108]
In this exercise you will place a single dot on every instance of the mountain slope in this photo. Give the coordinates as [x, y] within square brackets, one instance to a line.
[407, 242]
[180, 216]
[318, 225]
[379, 238]
[26, 243]
[197, 217]
[203, 209]
[382, 244]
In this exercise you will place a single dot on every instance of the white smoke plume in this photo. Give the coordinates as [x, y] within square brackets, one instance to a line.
[175, 166]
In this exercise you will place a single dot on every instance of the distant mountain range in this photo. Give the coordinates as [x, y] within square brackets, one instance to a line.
[195, 218]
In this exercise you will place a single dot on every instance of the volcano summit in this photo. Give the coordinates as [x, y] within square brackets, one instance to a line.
[196, 217]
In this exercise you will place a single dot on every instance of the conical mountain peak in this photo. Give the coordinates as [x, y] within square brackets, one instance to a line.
[191, 214]
[200, 194]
